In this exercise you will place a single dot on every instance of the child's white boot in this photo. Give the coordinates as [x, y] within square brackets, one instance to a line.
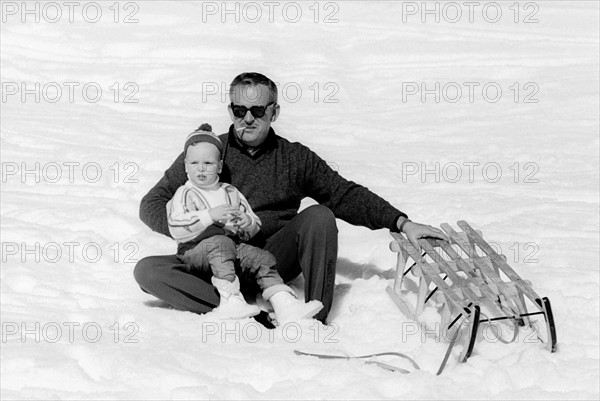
[288, 308]
[232, 305]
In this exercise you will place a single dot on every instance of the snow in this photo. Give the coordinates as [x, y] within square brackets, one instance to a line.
[75, 325]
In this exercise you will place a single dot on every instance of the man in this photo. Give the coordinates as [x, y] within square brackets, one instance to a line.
[275, 175]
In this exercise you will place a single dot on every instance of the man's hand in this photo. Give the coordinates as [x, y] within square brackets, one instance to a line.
[223, 212]
[242, 220]
[414, 231]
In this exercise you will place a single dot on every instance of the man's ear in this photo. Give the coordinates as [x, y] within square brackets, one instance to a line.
[231, 116]
[276, 110]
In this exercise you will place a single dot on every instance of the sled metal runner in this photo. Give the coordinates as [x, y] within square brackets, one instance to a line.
[468, 276]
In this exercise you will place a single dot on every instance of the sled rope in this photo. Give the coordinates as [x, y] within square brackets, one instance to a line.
[495, 330]
[449, 350]
[382, 365]
[387, 366]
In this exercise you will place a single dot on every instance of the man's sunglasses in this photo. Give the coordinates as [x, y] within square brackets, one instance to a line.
[256, 111]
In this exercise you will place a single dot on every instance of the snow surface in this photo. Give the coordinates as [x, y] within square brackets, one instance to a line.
[74, 327]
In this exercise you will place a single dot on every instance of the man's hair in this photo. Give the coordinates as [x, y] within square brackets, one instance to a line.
[253, 79]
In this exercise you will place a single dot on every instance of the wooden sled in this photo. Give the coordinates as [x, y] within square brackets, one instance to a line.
[469, 277]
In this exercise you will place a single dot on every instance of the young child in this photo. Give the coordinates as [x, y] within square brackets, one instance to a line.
[211, 220]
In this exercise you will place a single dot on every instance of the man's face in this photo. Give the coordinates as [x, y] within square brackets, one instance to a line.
[251, 129]
[203, 164]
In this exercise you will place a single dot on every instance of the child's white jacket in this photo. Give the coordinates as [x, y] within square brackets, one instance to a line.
[188, 211]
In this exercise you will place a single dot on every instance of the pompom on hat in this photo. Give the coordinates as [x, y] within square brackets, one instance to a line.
[203, 134]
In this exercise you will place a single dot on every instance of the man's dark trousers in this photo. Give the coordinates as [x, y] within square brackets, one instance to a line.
[307, 244]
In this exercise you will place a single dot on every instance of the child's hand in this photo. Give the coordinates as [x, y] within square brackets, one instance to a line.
[242, 221]
[223, 212]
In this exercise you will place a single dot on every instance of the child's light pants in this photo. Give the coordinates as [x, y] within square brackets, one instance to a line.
[219, 253]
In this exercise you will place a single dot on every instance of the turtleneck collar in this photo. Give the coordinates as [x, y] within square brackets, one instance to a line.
[252, 151]
[207, 187]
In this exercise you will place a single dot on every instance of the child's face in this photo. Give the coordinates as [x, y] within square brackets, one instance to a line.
[203, 163]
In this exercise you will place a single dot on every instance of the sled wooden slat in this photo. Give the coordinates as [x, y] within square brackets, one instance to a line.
[506, 269]
[456, 279]
[465, 267]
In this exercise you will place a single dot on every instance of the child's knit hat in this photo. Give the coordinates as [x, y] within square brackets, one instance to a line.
[203, 134]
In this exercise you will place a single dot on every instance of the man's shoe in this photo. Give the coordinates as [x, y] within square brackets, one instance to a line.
[289, 309]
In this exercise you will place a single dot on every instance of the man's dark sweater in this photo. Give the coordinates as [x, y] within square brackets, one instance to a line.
[274, 180]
